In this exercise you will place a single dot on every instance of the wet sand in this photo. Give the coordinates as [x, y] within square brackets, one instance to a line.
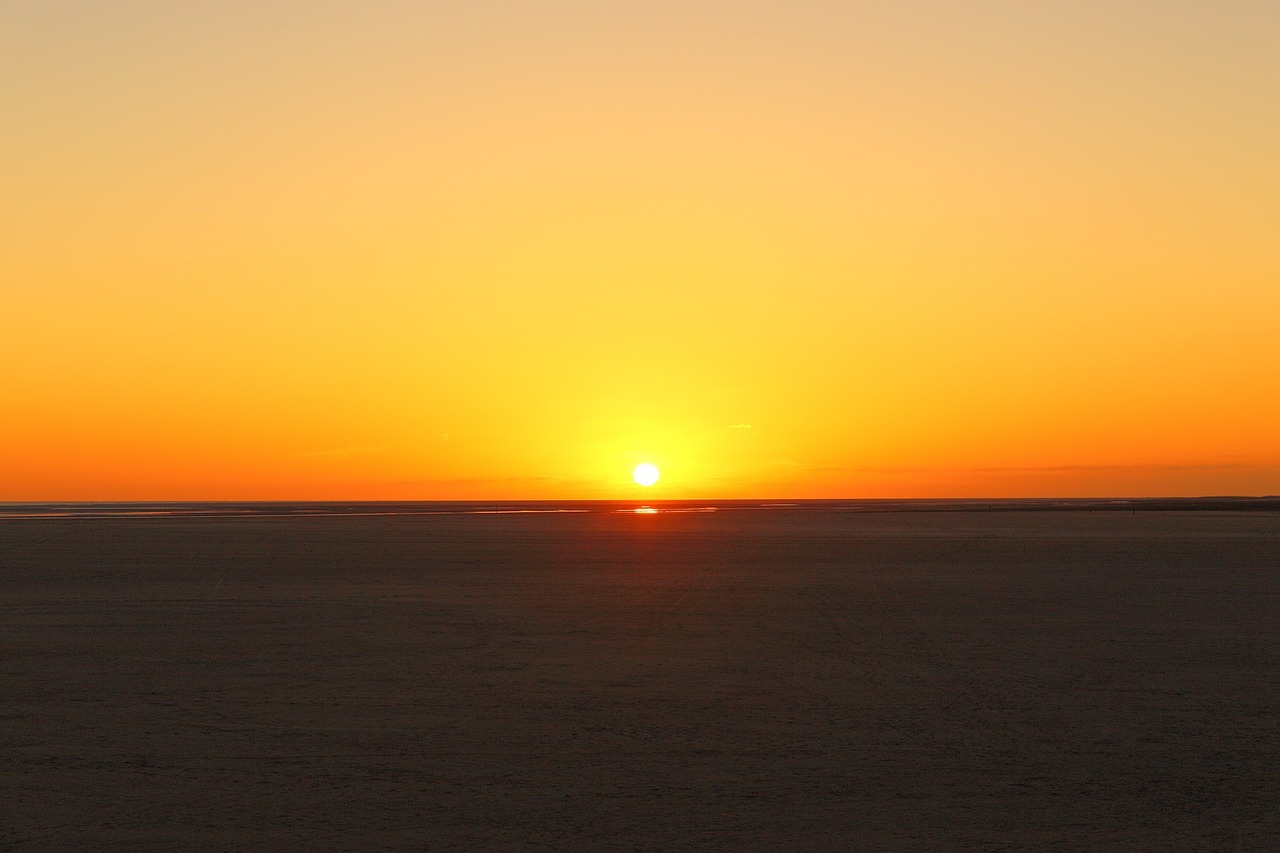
[736, 680]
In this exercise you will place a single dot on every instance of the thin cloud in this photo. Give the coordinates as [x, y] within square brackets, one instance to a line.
[739, 426]
[1135, 467]
[1018, 469]
[340, 451]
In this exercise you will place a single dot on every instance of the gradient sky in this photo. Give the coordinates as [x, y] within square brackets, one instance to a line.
[510, 249]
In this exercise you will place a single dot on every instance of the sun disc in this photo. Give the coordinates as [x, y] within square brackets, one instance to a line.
[645, 474]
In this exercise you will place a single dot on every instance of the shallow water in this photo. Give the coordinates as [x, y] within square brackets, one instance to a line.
[826, 677]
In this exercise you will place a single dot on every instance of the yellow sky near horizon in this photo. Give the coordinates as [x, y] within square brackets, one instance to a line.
[510, 250]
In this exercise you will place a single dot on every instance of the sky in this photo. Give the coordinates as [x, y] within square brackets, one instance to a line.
[510, 250]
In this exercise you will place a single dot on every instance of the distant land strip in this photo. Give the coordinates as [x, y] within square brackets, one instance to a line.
[299, 509]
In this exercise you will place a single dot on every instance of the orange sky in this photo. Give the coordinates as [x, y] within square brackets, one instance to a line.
[509, 250]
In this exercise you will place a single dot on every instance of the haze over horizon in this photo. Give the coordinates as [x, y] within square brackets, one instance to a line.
[493, 250]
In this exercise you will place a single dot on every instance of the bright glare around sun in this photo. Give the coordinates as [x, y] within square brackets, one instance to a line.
[646, 474]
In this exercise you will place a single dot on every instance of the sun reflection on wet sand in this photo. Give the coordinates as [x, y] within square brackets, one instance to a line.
[651, 510]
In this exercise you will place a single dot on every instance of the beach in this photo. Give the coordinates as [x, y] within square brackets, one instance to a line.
[739, 679]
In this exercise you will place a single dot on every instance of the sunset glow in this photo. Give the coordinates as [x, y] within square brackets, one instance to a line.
[454, 250]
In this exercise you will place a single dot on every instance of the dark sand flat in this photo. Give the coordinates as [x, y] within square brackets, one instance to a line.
[771, 680]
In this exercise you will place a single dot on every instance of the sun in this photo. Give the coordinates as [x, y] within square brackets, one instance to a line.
[646, 474]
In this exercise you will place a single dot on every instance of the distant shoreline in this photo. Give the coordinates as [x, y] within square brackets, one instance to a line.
[303, 509]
